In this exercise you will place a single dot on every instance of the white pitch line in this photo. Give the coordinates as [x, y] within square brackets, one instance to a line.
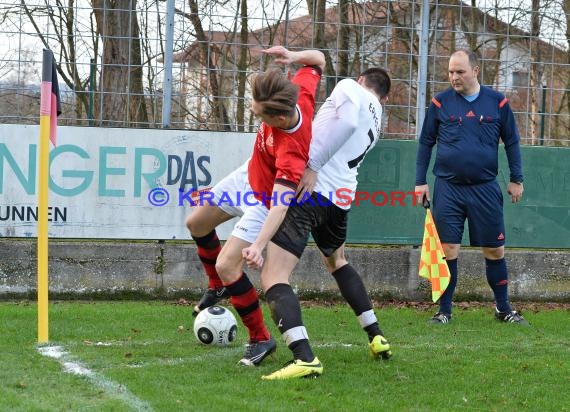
[111, 388]
[334, 345]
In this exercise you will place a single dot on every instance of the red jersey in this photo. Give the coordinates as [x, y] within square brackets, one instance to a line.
[280, 156]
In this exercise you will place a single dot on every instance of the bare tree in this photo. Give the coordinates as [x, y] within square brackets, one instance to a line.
[119, 39]
[343, 39]
[17, 92]
[474, 27]
[566, 98]
[149, 56]
[122, 100]
[242, 66]
[535, 69]
[317, 11]
[216, 100]
[63, 21]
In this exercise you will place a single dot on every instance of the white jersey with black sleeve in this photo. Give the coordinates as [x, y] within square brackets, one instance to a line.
[346, 127]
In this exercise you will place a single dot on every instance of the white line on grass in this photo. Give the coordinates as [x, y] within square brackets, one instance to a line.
[111, 388]
[335, 345]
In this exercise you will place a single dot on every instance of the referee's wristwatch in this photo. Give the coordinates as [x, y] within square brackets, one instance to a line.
[517, 183]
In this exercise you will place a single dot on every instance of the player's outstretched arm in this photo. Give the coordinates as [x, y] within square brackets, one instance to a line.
[304, 57]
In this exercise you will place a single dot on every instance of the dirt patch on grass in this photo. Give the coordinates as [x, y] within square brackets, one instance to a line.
[429, 306]
[532, 307]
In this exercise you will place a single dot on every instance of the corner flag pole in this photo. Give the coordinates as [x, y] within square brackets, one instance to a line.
[50, 108]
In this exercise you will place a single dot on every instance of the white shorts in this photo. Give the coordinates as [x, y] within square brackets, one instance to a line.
[234, 195]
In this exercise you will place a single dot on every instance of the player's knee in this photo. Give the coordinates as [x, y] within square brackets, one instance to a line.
[196, 226]
[451, 250]
[227, 269]
[267, 282]
[189, 223]
[494, 253]
[333, 263]
[221, 266]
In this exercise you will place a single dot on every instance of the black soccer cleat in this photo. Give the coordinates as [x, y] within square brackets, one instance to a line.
[511, 317]
[210, 298]
[255, 352]
[440, 318]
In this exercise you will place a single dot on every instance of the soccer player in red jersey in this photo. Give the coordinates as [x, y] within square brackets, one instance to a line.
[267, 182]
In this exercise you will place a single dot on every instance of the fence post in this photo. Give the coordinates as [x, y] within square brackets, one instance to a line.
[168, 50]
[422, 68]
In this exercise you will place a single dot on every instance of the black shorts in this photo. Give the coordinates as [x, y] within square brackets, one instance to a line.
[317, 216]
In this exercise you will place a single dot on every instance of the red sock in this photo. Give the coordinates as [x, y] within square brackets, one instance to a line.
[246, 302]
[208, 250]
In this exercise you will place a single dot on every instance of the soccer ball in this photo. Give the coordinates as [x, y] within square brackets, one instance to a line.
[215, 326]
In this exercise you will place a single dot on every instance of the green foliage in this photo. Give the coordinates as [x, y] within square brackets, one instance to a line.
[137, 352]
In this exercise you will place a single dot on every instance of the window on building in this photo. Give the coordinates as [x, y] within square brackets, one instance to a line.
[520, 78]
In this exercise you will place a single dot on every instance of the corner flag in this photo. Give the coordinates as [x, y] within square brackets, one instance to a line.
[433, 266]
[50, 108]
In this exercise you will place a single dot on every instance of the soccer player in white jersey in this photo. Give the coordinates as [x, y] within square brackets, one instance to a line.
[346, 127]
[280, 153]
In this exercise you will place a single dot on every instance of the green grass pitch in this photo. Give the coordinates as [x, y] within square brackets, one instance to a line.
[129, 356]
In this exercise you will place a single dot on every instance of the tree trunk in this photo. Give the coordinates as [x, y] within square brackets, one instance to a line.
[317, 11]
[343, 40]
[218, 108]
[242, 67]
[562, 129]
[121, 102]
[535, 70]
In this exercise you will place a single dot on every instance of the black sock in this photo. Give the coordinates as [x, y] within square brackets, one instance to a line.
[354, 292]
[498, 279]
[445, 301]
[286, 313]
[208, 248]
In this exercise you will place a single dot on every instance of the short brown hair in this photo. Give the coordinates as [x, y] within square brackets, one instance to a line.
[275, 93]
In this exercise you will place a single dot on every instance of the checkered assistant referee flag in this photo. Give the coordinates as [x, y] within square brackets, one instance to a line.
[433, 266]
